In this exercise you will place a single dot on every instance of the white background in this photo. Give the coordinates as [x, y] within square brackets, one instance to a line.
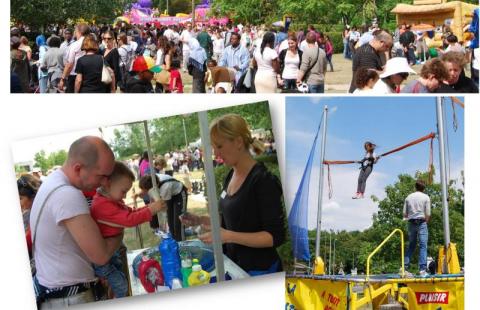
[29, 116]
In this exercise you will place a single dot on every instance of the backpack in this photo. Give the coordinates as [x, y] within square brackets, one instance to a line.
[127, 63]
[125, 67]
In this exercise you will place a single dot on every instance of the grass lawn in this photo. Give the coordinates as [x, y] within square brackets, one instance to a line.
[195, 205]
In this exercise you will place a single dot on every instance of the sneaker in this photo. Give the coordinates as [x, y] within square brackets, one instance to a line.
[407, 273]
[360, 196]
[423, 274]
[357, 195]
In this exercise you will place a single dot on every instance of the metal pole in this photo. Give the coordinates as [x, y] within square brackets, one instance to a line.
[185, 133]
[152, 167]
[193, 14]
[167, 8]
[320, 190]
[212, 196]
[330, 255]
[325, 249]
[334, 241]
[443, 178]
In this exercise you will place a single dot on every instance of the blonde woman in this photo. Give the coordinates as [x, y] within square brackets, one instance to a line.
[251, 200]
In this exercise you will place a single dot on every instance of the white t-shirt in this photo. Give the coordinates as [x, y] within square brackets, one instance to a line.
[417, 206]
[264, 62]
[364, 91]
[303, 46]
[169, 34]
[74, 53]
[476, 55]
[185, 37]
[169, 189]
[218, 45]
[58, 259]
[381, 88]
[283, 46]
[292, 62]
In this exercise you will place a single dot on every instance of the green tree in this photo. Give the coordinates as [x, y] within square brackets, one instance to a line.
[45, 162]
[39, 13]
[41, 161]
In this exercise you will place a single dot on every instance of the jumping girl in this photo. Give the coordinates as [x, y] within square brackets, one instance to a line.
[366, 168]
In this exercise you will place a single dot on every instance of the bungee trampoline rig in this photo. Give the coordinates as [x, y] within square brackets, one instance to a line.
[316, 290]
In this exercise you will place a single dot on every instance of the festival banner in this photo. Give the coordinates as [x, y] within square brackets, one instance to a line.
[436, 296]
[315, 294]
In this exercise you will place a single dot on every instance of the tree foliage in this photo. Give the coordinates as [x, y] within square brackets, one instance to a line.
[167, 134]
[353, 248]
[45, 162]
[38, 13]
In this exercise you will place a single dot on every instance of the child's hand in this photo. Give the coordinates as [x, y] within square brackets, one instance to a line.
[157, 206]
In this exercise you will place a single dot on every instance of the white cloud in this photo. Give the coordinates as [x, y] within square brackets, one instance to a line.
[341, 212]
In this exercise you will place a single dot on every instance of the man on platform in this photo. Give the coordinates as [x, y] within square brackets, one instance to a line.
[417, 210]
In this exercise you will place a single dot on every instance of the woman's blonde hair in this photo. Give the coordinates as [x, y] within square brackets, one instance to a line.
[231, 126]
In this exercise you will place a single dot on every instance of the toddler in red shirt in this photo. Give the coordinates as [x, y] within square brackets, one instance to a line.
[113, 215]
[176, 85]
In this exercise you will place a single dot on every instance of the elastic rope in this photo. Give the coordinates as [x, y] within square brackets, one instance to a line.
[455, 120]
[330, 186]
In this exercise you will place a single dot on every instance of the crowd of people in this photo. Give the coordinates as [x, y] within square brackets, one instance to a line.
[224, 59]
[381, 62]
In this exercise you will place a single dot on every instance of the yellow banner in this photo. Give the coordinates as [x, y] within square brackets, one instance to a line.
[438, 296]
[315, 294]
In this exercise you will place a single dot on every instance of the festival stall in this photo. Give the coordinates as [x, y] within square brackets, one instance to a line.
[142, 12]
[455, 14]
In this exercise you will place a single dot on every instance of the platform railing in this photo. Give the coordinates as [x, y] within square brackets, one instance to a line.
[381, 245]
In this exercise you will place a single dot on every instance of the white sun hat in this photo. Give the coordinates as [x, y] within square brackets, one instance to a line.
[396, 65]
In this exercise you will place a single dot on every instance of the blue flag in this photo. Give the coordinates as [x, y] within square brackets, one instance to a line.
[298, 217]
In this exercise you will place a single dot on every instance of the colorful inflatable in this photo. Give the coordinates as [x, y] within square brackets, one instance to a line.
[142, 12]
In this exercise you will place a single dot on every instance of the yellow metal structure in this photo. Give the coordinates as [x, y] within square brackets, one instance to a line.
[337, 292]
[319, 266]
[451, 259]
[355, 293]
[381, 245]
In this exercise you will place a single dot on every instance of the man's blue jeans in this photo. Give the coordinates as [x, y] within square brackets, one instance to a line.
[112, 271]
[316, 89]
[420, 231]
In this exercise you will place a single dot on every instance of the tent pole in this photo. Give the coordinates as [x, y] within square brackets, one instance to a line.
[150, 162]
[212, 196]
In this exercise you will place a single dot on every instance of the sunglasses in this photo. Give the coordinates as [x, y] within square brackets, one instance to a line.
[109, 39]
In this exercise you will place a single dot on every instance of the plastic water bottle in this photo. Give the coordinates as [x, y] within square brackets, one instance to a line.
[186, 261]
[176, 284]
[198, 276]
[170, 259]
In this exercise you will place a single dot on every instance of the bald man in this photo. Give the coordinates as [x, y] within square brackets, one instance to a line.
[66, 239]
[370, 55]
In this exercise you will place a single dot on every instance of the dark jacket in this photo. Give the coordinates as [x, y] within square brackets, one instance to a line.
[135, 85]
[463, 85]
[281, 58]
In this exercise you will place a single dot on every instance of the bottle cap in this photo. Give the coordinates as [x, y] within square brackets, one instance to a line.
[186, 263]
[196, 268]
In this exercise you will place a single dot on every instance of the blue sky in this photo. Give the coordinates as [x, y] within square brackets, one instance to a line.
[387, 121]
